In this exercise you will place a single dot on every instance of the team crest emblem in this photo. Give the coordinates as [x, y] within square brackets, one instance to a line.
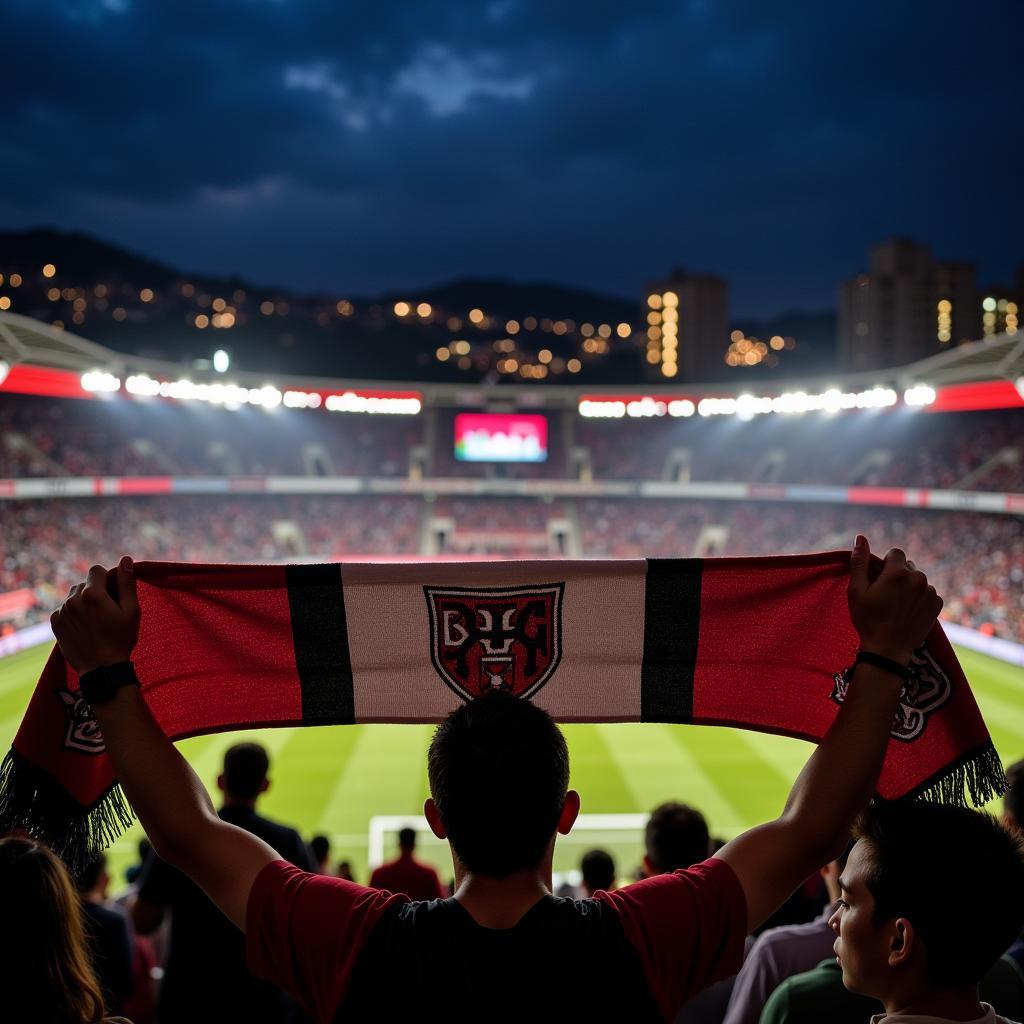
[928, 689]
[495, 638]
[83, 734]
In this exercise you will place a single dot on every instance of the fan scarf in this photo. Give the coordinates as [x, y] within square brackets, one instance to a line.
[755, 643]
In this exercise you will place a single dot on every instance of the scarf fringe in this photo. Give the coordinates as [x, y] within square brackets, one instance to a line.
[979, 772]
[34, 803]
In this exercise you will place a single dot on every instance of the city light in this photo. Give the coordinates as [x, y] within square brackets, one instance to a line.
[221, 361]
[49, 270]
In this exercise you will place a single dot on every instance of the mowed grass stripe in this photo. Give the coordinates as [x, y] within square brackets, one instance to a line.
[748, 783]
[656, 767]
[993, 677]
[383, 775]
[595, 773]
[22, 670]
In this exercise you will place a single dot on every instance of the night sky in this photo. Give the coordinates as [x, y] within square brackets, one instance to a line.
[364, 147]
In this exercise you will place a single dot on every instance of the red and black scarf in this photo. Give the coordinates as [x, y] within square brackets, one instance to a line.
[755, 643]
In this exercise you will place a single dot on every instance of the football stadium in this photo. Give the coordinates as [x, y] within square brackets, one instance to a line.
[101, 458]
[511, 512]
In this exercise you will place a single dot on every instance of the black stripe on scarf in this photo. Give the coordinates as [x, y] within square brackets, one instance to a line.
[671, 633]
[320, 635]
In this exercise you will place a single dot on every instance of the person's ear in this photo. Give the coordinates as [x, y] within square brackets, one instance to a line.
[901, 942]
[220, 783]
[430, 812]
[649, 871]
[264, 785]
[570, 812]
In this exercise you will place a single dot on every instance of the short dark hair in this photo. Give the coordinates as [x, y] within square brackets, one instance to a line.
[88, 878]
[676, 837]
[499, 772]
[598, 870]
[245, 770]
[320, 846]
[407, 838]
[1013, 798]
[951, 872]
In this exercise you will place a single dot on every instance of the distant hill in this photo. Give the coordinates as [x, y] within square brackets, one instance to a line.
[308, 333]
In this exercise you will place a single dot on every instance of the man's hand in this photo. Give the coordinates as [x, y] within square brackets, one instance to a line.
[94, 629]
[894, 613]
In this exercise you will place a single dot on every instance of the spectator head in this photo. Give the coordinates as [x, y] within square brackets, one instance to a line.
[1013, 798]
[345, 870]
[320, 847]
[598, 870]
[676, 837]
[499, 776]
[93, 880]
[45, 970]
[931, 897]
[407, 840]
[245, 773]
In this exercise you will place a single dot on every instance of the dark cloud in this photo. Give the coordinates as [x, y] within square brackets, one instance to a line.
[363, 147]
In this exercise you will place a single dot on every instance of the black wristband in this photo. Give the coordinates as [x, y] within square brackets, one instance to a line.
[100, 684]
[885, 664]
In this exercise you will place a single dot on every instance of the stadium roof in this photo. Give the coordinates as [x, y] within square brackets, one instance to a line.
[26, 341]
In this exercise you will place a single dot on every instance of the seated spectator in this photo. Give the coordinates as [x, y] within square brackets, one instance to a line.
[107, 933]
[206, 952]
[406, 874]
[345, 870]
[781, 952]
[598, 870]
[931, 896]
[46, 973]
[132, 872]
[676, 836]
[320, 854]
[819, 995]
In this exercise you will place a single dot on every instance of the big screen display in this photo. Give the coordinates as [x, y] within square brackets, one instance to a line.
[500, 437]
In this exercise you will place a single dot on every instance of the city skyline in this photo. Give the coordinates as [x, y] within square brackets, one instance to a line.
[392, 148]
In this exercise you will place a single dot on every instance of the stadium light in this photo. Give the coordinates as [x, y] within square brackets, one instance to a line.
[100, 381]
[918, 395]
[221, 361]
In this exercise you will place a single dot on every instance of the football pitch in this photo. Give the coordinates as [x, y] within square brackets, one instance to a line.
[335, 779]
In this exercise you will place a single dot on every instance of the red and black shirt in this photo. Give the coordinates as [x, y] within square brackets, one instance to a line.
[352, 953]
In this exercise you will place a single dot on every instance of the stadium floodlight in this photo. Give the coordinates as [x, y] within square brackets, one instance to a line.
[918, 395]
[350, 401]
[681, 407]
[302, 400]
[99, 381]
[221, 361]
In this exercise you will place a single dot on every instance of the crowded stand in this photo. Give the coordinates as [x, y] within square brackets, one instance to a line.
[968, 451]
[976, 559]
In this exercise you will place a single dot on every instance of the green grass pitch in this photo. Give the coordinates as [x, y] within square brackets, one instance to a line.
[334, 779]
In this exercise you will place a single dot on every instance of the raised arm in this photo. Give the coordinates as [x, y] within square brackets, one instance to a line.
[893, 615]
[95, 630]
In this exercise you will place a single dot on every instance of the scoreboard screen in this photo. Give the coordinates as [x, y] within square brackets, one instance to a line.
[500, 437]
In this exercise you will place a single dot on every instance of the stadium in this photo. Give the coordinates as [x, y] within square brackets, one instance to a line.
[105, 452]
[511, 511]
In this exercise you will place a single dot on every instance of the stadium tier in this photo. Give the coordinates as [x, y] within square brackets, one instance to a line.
[100, 456]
